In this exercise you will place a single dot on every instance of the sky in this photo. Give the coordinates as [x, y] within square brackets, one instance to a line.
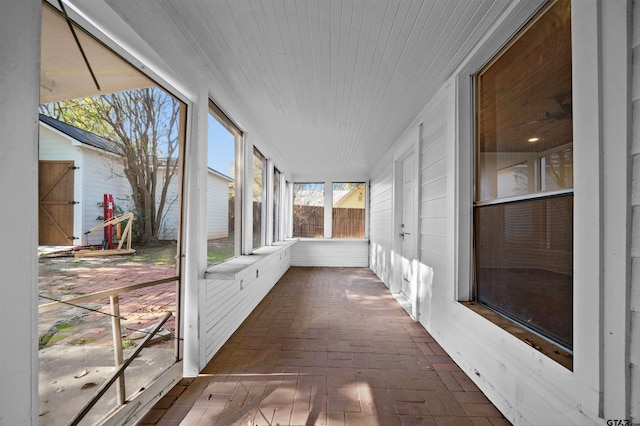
[221, 147]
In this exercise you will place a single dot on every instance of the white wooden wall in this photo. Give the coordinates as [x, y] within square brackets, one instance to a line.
[98, 173]
[55, 146]
[19, 85]
[635, 244]
[330, 252]
[217, 207]
[526, 386]
[233, 289]
[381, 216]
[171, 221]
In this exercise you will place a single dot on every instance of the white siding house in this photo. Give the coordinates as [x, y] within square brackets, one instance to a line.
[217, 204]
[100, 171]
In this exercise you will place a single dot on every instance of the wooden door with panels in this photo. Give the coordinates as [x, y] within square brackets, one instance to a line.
[56, 203]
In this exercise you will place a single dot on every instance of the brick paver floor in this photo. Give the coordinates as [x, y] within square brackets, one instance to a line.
[66, 278]
[328, 346]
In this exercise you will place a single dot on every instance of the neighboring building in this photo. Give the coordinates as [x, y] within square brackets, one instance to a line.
[78, 167]
[96, 170]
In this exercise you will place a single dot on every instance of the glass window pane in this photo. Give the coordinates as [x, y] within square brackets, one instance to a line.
[308, 210]
[348, 210]
[258, 198]
[523, 246]
[524, 263]
[221, 197]
[524, 108]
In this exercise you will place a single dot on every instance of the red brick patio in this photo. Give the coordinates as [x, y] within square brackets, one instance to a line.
[328, 346]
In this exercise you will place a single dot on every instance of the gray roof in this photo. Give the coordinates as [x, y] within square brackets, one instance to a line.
[80, 135]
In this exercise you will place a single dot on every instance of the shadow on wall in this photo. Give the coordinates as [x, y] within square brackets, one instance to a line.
[383, 265]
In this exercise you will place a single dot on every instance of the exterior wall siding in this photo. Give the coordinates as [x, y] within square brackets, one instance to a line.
[527, 386]
[433, 203]
[100, 174]
[634, 345]
[380, 219]
[217, 207]
[331, 252]
[54, 146]
[171, 220]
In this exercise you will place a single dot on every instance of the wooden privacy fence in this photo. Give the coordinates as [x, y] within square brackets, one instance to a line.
[308, 222]
[348, 223]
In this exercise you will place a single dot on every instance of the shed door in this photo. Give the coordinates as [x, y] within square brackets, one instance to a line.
[56, 202]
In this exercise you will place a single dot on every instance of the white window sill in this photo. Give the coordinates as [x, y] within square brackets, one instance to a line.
[241, 266]
[331, 240]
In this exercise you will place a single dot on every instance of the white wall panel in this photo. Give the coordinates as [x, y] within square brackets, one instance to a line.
[527, 386]
[232, 290]
[634, 335]
[331, 252]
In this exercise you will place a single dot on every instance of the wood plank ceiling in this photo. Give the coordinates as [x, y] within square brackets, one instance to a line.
[328, 85]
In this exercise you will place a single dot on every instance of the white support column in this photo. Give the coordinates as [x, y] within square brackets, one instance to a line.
[268, 197]
[328, 209]
[616, 141]
[195, 233]
[20, 24]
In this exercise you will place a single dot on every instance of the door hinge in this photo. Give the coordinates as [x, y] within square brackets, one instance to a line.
[74, 167]
[73, 202]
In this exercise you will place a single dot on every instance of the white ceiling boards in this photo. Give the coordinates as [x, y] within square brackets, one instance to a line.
[329, 84]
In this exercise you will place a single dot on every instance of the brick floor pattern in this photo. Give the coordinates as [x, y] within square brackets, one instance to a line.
[328, 346]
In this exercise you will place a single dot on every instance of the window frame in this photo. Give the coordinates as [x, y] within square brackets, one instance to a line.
[293, 213]
[277, 205]
[482, 201]
[263, 199]
[364, 208]
[228, 124]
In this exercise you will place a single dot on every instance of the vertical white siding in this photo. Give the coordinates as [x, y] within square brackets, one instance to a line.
[634, 351]
[171, 215]
[217, 207]
[98, 175]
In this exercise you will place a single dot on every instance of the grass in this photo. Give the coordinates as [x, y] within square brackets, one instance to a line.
[163, 253]
[220, 249]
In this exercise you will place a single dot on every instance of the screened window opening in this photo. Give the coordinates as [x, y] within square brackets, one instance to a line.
[349, 207]
[259, 206]
[308, 210]
[523, 210]
[224, 141]
[111, 146]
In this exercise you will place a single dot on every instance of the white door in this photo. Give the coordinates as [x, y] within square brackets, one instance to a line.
[406, 230]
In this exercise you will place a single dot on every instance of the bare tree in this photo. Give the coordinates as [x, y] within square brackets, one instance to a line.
[144, 126]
